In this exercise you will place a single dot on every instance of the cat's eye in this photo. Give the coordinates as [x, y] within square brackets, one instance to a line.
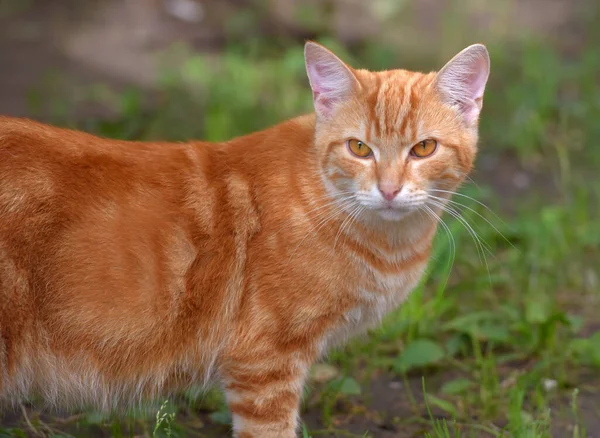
[424, 148]
[359, 149]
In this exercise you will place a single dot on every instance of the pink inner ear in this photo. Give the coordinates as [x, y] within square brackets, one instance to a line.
[470, 111]
[477, 79]
[322, 101]
[462, 82]
[320, 77]
[330, 79]
[320, 91]
[474, 87]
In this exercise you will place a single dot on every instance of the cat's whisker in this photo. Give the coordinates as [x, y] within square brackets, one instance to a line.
[341, 205]
[321, 209]
[481, 246]
[472, 181]
[332, 196]
[476, 212]
[354, 220]
[469, 180]
[325, 206]
[350, 218]
[441, 203]
[343, 224]
[460, 218]
[326, 216]
[471, 199]
[462, 221]
[446, 228]
[329, 202]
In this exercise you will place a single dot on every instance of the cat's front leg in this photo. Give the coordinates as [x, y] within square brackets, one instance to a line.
[264, 396]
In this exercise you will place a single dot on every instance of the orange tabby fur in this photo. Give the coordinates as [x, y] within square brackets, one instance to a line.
[131, 269]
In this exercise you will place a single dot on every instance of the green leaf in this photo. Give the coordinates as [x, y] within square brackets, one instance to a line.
[586, 350]
[419, 353]
[305, 431]
[537, 309]
[444, 405]
[221, 417]
[456, 386]
[579, 346]
[494, 332]
[350, 386]
[344, 385]
[466, 323]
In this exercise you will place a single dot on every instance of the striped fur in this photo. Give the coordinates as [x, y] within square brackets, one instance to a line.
[129, 270]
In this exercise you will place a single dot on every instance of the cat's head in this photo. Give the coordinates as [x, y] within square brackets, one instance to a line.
[389, 141]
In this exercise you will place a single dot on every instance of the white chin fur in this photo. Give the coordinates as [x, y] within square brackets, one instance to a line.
[392, 215]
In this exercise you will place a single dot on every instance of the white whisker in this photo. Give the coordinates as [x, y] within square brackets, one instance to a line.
[477, 213]
[451, 240]
[451, 211]
[343, 225]
[481, 246]
[325, 217]
[470, 198]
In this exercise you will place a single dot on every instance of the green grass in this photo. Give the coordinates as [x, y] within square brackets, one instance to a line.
[503, 343]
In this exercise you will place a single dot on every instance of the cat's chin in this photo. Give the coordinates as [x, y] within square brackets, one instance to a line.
[392, 214]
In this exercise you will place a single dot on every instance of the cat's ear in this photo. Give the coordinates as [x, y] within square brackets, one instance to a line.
[461, 82]
[331, 80]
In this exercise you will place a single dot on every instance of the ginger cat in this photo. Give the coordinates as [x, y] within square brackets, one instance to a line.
[133, 269]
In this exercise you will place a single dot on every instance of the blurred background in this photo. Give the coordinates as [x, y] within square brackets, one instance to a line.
[503, 336]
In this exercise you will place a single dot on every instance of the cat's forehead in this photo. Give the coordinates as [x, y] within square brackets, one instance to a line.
[393, 101]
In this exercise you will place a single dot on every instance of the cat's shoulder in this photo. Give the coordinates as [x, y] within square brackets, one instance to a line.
[303, 125]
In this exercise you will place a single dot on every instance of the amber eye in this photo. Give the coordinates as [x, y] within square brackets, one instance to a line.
[424, 148]
[359, 149]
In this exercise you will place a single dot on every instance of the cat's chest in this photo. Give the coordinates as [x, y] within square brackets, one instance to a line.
[386, 279]
[375, 295]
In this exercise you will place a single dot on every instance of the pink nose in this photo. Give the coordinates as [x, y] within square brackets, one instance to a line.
[389, 192]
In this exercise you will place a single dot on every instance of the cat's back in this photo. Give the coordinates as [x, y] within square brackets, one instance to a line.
[42, 172]
[59, 167]
[29, 144]
[23, 138]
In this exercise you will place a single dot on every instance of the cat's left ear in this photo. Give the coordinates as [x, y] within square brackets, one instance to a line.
[331, 80]
[461, 82]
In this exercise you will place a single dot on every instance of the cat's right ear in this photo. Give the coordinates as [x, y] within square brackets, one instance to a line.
[331, 80]
[462, 81]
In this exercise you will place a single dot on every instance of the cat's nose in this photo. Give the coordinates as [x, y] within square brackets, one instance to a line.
[389, 191]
